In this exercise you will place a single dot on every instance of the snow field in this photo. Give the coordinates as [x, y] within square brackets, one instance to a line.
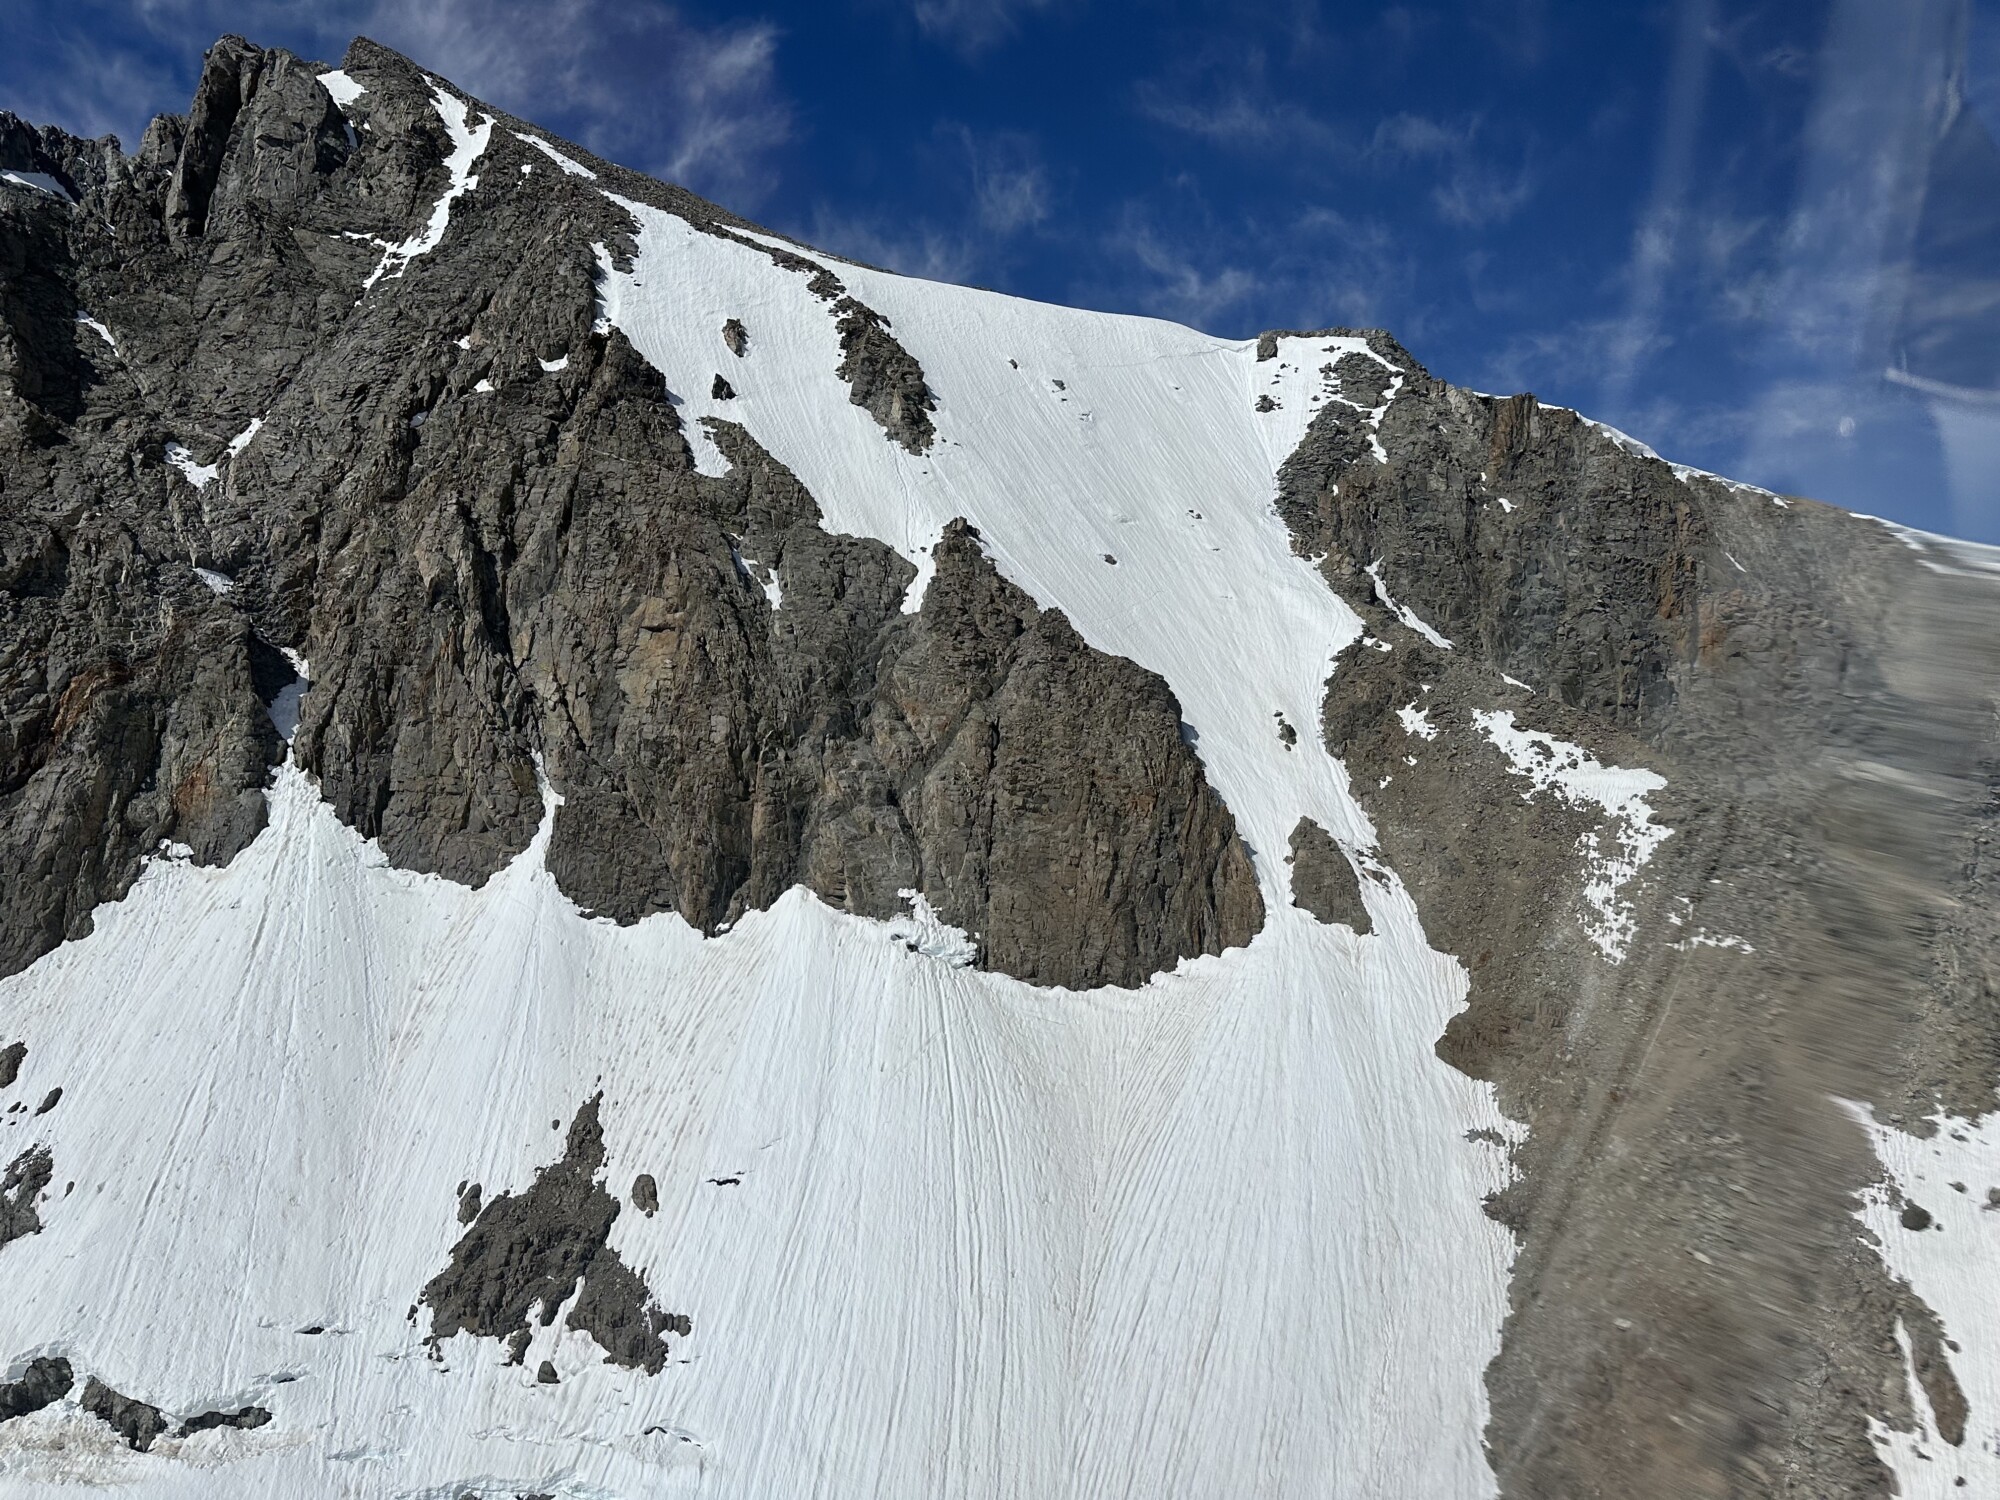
[1955, 1178]
[1218, 1237]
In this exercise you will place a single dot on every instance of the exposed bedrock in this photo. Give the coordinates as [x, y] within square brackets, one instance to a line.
[1323, 881]
[477, 516]
[45, 1381]
[21, 1186]
[138, 1423]
[525, 1255]
[1694, 1309]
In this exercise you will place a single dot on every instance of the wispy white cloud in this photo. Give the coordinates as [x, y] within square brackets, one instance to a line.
[1009, 184]
[1656, 239]
[1472, 189]
[643, 84]
[1179, 286]
[927, 251]
[1240, 120]
[993, 196]
[1316, 268]
[972, 26]
[1472, 186]
[639, 84]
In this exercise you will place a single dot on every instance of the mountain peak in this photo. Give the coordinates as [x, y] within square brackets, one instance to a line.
[1047, 881]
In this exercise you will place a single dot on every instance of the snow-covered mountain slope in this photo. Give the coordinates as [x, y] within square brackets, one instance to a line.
[873, 888]
[937, 1232]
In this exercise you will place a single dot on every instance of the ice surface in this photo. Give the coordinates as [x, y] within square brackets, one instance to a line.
[468, 143]
[197, 474]
[1580, 778]
[973, 1226]
[1953, 1265]
[572, 168]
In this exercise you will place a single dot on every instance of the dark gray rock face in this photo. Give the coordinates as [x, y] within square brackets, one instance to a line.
[884, 377]
[1323, 882]
[133, 1420]
[11, 1057]
[1693, 1311]
[45, 1382]
[527, 1253]
[484, 559]
[243, 1417]
[26, 1177]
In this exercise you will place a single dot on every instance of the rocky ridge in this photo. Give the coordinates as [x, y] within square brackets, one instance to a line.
[1691, 1302]
[476, 583]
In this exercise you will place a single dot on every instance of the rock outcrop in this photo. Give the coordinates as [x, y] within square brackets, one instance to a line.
[475, 514]
[1694, 1312]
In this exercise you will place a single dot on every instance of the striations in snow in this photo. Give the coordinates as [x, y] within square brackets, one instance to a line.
[973, 906]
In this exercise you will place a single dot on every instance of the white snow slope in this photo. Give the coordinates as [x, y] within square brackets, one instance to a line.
[1220, 1236]
[1952, 1262]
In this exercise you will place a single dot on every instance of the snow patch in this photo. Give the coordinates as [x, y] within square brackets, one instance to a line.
[924, 931]
[572, 168]
[764, 576]
[99, 329]
[1580, 778]
[1682, 472]
[560, 362]
[1417, 721]
[220, 583]
[39, 182]
[1623, 440]
[1300, 383]
[196, 474]
[1408, 616]
[605, 271]
[344, 89]
[1953, 1264]
[468, 143]
[1943, 554]
[1702, 938]
[242, 439]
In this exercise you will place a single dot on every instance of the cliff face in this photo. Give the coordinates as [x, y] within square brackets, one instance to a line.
[475, 513]
[1818, 697]
[1498, 842]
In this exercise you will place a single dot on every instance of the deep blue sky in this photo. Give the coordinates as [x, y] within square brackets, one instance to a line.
[1714, 224]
